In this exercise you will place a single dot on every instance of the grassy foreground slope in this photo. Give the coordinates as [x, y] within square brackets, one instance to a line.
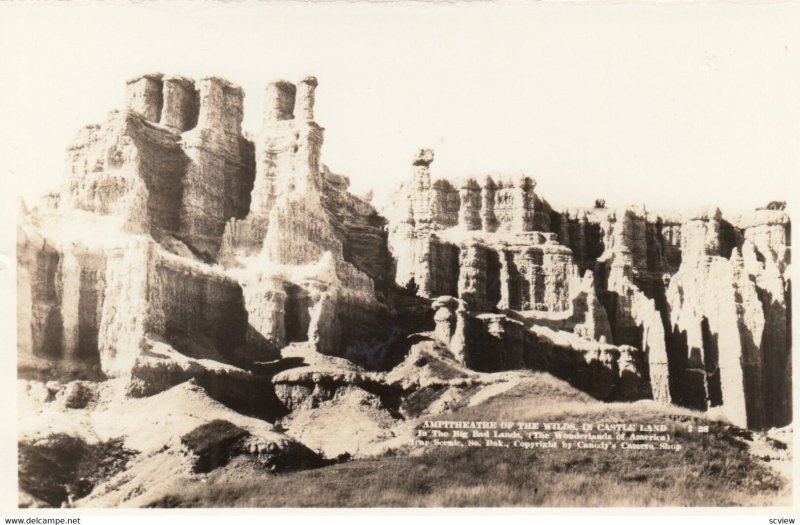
[713, 469]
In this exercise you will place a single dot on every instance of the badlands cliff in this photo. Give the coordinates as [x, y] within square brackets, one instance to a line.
[184, 259]
[173, 227]
[626, 303]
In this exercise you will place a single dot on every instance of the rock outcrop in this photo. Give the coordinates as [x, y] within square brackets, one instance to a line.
[691, 311]
[728, 306]
[181, 249]
[174, 230]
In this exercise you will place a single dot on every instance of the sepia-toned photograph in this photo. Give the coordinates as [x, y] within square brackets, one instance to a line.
[399, 255]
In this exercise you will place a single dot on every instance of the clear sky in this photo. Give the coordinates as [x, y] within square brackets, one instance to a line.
[672, 105]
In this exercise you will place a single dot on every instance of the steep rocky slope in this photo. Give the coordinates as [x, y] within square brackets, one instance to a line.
[687, 310]
[234, 290]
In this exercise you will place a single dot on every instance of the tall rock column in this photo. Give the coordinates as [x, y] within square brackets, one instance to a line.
[631, 232]
[715, 310]
[324, 331]
[304, 99]
[220, 169]
[143, 95]
[514, 203]
[327, 295]
[766, 254]
[488, 218]
[420, 193]
[279, 107]
[472, 280]
[289, 180]
[410, 238]
[469, 213]
[525, 205]
[179, 111]
[634, 317]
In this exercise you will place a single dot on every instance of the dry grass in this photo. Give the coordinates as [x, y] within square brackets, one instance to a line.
[708, 472]
[713, 469]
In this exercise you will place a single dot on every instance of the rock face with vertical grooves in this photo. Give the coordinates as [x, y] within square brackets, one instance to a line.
[697, 306]
[180, 249]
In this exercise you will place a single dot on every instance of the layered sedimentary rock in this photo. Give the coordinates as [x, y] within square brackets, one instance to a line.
[180, 249]
[174, 163]
[117, 255]
[360, 229]
[39, 294]
[304, 233]
[219, 176]
[697, 306]
[728, 317]
[766, 255]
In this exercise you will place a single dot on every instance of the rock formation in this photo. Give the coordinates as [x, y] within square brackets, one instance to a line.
[174, 231]
[624, 303]
[180, 249]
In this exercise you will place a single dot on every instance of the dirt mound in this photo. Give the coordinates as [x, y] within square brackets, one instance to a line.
[368, 423]
[63, 468]
[213, 443]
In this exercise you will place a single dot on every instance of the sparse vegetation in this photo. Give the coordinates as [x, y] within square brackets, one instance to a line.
[713, 469]
[213, 443]
[707, 472]
[62, 467]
